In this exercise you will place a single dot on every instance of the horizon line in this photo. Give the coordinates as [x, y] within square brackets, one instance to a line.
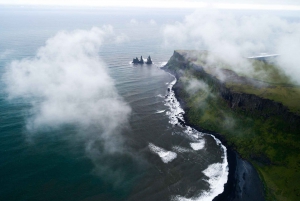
[164, 5]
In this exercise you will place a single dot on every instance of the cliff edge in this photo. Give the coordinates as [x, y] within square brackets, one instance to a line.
[254, 108]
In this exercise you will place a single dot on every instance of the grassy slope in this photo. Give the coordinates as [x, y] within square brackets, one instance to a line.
[269, 143]
[280, 88]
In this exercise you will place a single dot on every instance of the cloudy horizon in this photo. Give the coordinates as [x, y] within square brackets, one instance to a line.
[204, 4]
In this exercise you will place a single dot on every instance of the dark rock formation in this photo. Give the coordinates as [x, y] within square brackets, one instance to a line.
[135, 60]
[149, 61]
[141, 61]
[247, 102]
[243, 182]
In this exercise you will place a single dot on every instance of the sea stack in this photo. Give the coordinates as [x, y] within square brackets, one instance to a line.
[149, 61]
[141, 61]
[135, 60]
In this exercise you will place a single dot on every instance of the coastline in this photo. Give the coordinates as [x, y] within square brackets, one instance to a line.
[243, 181]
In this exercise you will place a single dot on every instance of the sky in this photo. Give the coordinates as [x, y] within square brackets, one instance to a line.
[231, 4]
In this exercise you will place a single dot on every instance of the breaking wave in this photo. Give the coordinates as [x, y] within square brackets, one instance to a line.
[166, 156]
[216, 173]
[180, 149]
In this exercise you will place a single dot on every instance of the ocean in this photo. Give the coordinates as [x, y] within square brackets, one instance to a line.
[132, 147]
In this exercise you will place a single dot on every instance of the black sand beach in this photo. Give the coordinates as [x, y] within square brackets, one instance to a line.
[243, 182]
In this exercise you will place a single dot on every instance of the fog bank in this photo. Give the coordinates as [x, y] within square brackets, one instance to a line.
[236, 37]
[67, 83]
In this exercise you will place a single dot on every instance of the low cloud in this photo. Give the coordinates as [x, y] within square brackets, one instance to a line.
[152, 22]
[288, 48]
[195, 85]
[66, 83]
[235, 37]
[134, 22]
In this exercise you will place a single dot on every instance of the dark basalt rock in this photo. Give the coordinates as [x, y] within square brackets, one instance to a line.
[137, 61]
[141, 61]
[149, 61]
[249, 103]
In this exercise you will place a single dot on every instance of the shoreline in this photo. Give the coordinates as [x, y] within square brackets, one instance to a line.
[243, 181]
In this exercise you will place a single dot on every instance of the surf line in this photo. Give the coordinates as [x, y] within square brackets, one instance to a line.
[216, 172]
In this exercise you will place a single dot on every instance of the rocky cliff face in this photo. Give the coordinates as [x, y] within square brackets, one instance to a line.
[249, 103]
[243, 182]
[262, 131]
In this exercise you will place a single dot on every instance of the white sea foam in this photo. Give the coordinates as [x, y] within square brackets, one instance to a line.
[161, 96]
[161, 64]
[193, 133]
[160, 111]
[176, 112]
[217, 173]
[198, 145]
[180, 149]
[166, 156]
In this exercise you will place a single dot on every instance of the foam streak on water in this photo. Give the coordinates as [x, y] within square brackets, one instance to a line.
[166, 156]
[217, 173]
[180, 149]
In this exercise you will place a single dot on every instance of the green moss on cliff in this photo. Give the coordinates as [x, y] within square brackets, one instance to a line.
[287, 95]
[265, 138]
[255, 77]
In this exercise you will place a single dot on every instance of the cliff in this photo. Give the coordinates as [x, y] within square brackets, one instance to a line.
[257, 115]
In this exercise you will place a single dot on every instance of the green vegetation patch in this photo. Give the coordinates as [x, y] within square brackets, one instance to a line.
[269, 142]
[263, 79]
[289, 96]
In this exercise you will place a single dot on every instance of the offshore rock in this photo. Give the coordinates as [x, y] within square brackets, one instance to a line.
[137, 61]
[141, 60]
[149, 61]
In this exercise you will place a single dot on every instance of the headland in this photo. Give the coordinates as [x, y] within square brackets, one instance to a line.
[256, 115]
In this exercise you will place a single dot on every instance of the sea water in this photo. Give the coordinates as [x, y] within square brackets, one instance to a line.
[160, 160]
